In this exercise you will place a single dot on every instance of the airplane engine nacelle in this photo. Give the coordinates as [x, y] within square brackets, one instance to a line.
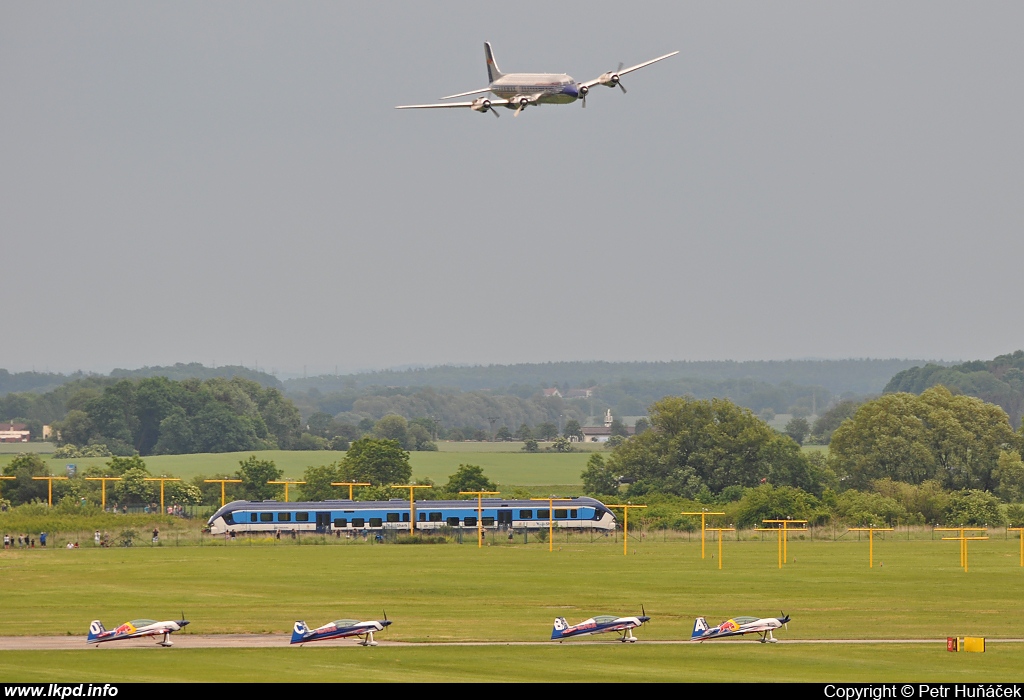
[481, 104]
[609, 79]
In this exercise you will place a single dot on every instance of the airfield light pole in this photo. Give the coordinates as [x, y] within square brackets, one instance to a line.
[162, 479]
[964, 538]
[103, 487]
[350, 485]
[412, 502]
[223, 498]
[551, 518]
[783, 529]
[720, 530]
[871, 540]
[480, 512]
[49, 480]
[703, 514]
[625, 524]
[286, 483]
[1019, 530]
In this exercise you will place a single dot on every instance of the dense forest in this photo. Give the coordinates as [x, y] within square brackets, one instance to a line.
[999, 381]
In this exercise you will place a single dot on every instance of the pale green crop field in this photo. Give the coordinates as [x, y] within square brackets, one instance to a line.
[504, 467]
[513, 592]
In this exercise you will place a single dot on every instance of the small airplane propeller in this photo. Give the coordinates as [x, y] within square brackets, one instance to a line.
[785, 620]
[643, 615]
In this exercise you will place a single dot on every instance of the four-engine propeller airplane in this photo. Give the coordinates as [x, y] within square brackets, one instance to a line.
[736, 626]
[134, 629]
[339, 629]
[519, 90]
[598, 625]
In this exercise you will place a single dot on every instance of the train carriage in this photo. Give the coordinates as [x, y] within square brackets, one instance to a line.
[329, 517]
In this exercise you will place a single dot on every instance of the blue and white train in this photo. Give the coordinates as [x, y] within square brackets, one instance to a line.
[329, 517]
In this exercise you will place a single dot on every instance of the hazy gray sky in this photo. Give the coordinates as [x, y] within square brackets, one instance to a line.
[228, 182]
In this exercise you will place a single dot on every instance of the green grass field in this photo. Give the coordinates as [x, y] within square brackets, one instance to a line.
[505, 467]
[500, 593]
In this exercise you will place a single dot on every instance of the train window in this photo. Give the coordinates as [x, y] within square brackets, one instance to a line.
[341, 522]
[266, 517]
[561, 513]
[375, 522]
[435, 517]
[252, 517]
[423, 517]
[405, 517]
[543, 514]
[573, 513]
[392, 517]
[453, 522]
[488, 522]
[229, 519]
[526, 515]
[284, 517]
[470, 521]
[302, 517]
[358, 522]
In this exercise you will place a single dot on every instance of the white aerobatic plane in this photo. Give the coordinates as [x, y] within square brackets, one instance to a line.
[519, 90]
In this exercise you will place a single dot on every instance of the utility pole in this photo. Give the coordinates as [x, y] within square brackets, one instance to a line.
[492, 420]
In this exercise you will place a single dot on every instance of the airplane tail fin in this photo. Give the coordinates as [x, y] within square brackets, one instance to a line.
[560, 626]
[700, 626]
[492, 68]
[299, 632]
[96, 628]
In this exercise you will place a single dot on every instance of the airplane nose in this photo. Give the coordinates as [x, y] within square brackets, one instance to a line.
[644, 618]
[571, 90]
[182, 623]
[385, 623]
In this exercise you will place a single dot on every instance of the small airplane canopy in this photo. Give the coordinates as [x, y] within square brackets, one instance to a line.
[142, 622]
[605, 618]
[345, 623]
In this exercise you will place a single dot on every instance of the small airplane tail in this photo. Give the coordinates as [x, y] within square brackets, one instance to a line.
[299, 632]
[560, 626]
[700, 626]
[96, 628]
[492, 68]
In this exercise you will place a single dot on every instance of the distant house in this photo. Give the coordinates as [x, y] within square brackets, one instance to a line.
[580, 393]
[548, 393]
[14, 432]
[601, 433]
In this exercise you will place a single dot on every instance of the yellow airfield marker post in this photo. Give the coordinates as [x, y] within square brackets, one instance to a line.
[412, 503]
[703, 514]
[103, 487]
[350, 485]
[963, 539]
[551, 518]
[625, 523]
[783, 529]
[720, 530]
[480, 512]
[286, 483]
[161, 479]
[1020, 531]
[871, 540]
[222, 482]
[49, 480]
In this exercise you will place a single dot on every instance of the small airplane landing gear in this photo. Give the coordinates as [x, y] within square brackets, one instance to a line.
[368, 640]
[166, 642]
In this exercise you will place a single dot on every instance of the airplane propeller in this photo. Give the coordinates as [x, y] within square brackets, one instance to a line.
[785, 620]
[482, 104]
[611, 79]
[523, 101]
[583, 90]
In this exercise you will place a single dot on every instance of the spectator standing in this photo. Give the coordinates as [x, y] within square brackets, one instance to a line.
[42, 539]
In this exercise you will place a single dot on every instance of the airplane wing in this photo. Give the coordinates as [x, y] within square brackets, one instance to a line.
[464, 94]
[481, 104]
[611, 78]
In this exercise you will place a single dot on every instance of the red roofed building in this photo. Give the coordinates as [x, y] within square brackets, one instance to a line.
[14, 432]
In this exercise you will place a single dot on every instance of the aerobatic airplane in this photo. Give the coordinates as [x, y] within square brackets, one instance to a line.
[598, 625]
[736, 626]
[134, 629]
[519, 90]
[339, 629]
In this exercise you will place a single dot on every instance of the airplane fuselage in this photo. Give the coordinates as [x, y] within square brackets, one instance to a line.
[553, 88]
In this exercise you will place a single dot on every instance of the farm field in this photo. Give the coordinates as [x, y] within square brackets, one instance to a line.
[459, 593]
[507, 468]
